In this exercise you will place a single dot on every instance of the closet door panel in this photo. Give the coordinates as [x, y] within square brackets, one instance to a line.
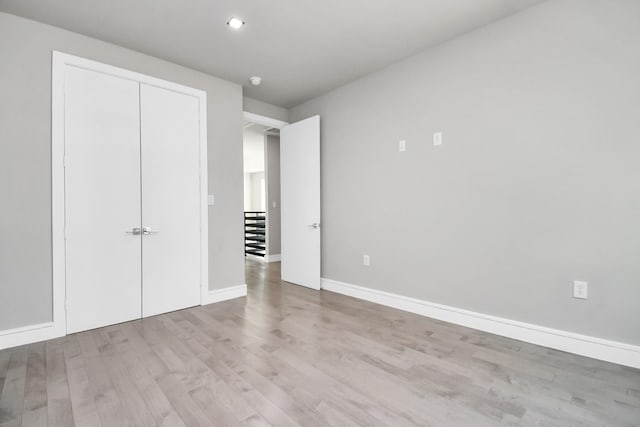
[170, 200]
[102, 187]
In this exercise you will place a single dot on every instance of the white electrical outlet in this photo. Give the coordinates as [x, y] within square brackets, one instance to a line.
[365, 260]
[437, 138]
[580, 289]
[402, 145]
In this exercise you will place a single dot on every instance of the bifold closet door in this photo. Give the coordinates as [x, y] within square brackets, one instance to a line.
[102, 198]
[170, 147]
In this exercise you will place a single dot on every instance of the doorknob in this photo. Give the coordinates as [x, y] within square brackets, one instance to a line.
[314, 225]
[147, 231]
[136, 231]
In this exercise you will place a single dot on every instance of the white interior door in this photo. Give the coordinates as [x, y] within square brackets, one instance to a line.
[300, 202]
[102, 196]
[171, 200]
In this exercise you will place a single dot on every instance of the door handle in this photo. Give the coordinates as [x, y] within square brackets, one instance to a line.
[314, 225]
[136, 231]
[147, 231]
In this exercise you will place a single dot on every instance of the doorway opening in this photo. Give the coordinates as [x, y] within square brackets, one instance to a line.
[261, 167]
[282, 213]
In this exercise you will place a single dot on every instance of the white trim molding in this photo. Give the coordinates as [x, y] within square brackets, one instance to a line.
[273, 258]
[263, 120]
[266, 258]
[30, 334]
[584, 345]
[224, 294]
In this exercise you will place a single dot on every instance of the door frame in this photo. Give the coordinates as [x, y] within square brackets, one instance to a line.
[263, 120]
[58, 206]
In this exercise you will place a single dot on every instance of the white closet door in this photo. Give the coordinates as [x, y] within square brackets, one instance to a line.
[170, 199]
[102, 176]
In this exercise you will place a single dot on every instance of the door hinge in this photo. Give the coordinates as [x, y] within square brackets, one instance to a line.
[64, 161]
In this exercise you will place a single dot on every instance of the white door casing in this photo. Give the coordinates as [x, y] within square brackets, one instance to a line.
[62, 272]
[102, 206]
[170, 200]
[300, 202]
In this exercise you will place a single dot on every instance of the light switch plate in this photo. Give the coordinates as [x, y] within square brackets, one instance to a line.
[211, 200]
[437, 138]
[402, 145]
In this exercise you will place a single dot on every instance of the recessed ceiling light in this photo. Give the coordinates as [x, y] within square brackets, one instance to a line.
[235, 23]
[255, 80]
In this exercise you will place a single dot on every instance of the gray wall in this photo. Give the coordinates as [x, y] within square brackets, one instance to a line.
[254, 106]
[25, 162]
[537, 183]
[272, 170]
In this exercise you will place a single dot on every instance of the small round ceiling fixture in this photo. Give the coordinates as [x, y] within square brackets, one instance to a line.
[255, 80]
[235, 23]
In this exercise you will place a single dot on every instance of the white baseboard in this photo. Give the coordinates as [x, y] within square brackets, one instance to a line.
[584, 345]
[266, 258]
[30, 334]
[46, 331]
[273, 258]
[224, 294]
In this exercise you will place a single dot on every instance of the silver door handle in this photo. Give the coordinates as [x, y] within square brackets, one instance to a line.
[136, 231]
[314, 225]
[147, 231]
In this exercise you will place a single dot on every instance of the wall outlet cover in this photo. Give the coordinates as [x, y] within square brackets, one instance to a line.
[580, 289]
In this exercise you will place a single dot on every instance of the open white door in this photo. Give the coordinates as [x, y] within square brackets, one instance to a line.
[300, 202]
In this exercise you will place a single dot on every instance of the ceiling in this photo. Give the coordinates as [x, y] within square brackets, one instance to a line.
[301, 48]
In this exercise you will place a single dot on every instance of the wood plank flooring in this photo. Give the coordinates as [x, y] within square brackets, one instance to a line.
[288, 356]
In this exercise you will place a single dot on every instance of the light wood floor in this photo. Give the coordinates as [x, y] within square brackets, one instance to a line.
[289, 356]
